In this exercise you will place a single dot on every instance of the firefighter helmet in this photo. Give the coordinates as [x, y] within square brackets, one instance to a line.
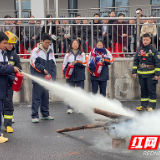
[12, 37]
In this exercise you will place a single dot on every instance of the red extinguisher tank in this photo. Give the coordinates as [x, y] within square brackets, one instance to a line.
[17, 81]
[48, 77]
[69, 71]
[98, 69]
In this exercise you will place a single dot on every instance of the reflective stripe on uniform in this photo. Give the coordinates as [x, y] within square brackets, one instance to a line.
[152, 100]
[144, 99]
[11, 63]
[157, 69]
[135, 67]
[146, 72]
[8, 117]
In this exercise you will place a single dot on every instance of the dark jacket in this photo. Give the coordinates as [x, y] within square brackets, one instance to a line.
[111, 28]
[97, 29]
[47, 31]
[13, 59]
[40, 60]
[86, 32]
[32, 30]
[120, 32]
[111, 21]
[79, 68]
[19, 32]
[5, 70]
[147, 55]
[76, 30]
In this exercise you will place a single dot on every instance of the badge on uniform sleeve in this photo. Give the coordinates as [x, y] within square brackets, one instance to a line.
[158, 56]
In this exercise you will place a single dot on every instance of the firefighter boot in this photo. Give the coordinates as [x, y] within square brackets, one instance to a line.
[3, 139]
[150, 109]
[141, 108]
[9, 129]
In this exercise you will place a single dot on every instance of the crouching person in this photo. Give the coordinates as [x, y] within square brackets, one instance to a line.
[13, 59]
[99, 76]
[78, 59]
[42, 63]
[5, 71]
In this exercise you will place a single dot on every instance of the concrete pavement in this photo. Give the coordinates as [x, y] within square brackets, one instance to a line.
[41, 141]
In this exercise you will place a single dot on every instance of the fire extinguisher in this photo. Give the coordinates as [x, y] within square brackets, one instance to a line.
[48, 77]
[98, 69]
[17, 81]
[69, 71]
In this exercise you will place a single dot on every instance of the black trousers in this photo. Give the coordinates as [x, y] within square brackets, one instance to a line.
[107, 41]
[148, 92]
[102, 86]
[8, 108]
[40, 98]
[75, 84]
[1, 111]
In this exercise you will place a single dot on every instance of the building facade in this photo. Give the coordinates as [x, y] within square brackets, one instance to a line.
[69, 8]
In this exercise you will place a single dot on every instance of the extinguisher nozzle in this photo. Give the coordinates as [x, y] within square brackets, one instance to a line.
[20, 70]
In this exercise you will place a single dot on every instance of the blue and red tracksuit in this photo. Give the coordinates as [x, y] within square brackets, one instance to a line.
[95, 56]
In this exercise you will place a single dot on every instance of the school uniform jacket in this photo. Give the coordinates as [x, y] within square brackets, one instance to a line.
[42, 59]
[79, 68]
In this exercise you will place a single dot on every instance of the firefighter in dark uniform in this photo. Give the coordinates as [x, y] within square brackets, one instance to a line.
[13, 59]
[147, 65]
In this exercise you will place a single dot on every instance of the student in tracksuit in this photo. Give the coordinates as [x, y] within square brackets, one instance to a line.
[76, 57]
[13, 59]
[42, 62]
[5, 71]
[99, 53]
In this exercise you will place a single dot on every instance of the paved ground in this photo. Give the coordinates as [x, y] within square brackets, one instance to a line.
[41, 142]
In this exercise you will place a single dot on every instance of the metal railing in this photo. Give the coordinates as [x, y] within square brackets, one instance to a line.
[88, 34]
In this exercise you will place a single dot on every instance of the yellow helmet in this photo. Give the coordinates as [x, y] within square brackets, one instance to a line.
[12, 37]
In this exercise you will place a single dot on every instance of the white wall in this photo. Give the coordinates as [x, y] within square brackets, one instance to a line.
[37, 8]
[85, 4]
[7, 7]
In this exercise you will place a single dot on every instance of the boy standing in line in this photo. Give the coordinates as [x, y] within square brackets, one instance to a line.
[42, 63]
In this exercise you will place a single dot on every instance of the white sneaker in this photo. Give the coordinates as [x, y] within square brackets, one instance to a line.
[35, 120]
[70, 111]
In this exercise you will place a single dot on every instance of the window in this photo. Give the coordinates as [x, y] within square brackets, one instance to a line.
[155, 2]
[155, 9]
[106, 4]
[113, 3]
[26, 8]
[120, 4]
